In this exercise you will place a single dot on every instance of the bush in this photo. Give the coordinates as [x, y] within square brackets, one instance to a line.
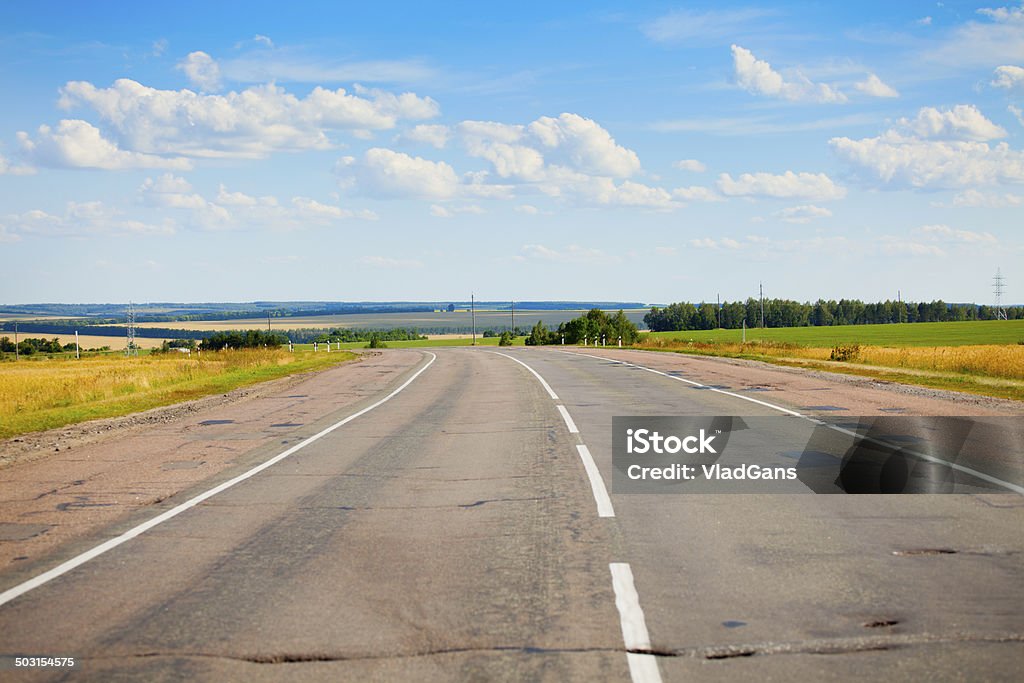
[845, 352]
[376, 342]
[505, 339]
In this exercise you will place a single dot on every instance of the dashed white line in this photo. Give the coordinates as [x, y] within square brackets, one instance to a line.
[643, 668]
[604, 503]
[546, 386]
[79, 560]
[568, 419]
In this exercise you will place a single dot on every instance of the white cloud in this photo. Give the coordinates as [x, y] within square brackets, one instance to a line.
[250, 123]
[1017, 112]
[202, 71]
[386, 173]
[388, 262]
[584, 145]
[81, 219]
[789, 185]
[998, 39]
[79, 144]
[1009, 77]
[439, 211]
[924, 21]
[720, 243]
[528, 209]
[757, 77]
[874, 87]
[263, 39]
[947, 233]
[434, 135]
[665, 251]
[962, 122]
[973, 198]
[690, 165]
[803, 214]
[159, 47]
[7, 169]
[937, 149]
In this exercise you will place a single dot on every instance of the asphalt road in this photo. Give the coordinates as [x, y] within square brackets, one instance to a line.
[456, 532]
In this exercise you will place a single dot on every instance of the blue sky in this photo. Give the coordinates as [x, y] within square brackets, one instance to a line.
[637, 151]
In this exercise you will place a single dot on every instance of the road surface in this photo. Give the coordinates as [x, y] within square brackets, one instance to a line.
[453, 525]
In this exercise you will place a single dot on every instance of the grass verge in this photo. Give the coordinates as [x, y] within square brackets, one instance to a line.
[47, 393]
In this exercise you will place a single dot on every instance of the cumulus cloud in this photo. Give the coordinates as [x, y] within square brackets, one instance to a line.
[1017, 112]
[430, 134]
[874, 87]
[202, 71]
[79, 144]
[1009, 77]
[962, 122]
[81, 219]
[567, 157]
[936, 149]
[237, 210]
[390, 174]
[998, 38]
[759, 78]
[788, 185]
[251, 123]
[803, 214]
[690, 165]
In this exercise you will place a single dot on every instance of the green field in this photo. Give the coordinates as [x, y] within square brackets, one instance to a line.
[908, 334]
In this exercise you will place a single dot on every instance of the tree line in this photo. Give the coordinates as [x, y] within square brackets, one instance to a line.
[594, 327]
[789, 313]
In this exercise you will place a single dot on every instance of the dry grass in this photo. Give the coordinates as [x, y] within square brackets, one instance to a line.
[45, 393]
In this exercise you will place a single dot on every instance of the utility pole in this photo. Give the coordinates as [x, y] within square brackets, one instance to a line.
[899, 306]
[15, 340]
[78, 351]
[718, 297]
[472, 309]
[760, 288]
[268, 322]
[513, 319]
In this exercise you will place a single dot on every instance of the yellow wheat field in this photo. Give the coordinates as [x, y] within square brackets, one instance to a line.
[34, 385]
[1006, 361]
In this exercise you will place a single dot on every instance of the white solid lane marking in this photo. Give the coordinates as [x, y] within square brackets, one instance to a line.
[45, 577]
[604, 503]
[643, 668]
[546, 386]
[568, 420]
[924, 456]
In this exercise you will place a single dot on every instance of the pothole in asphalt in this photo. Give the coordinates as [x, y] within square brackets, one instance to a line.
[823, 408]
[182, 464]
[287, 424]
[207, 423]
[733, 623]
[881, 623]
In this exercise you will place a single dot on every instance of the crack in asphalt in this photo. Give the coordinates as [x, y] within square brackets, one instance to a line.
[825, 646]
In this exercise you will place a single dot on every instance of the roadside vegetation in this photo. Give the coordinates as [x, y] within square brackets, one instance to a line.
[982, 357]
[44, 393]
